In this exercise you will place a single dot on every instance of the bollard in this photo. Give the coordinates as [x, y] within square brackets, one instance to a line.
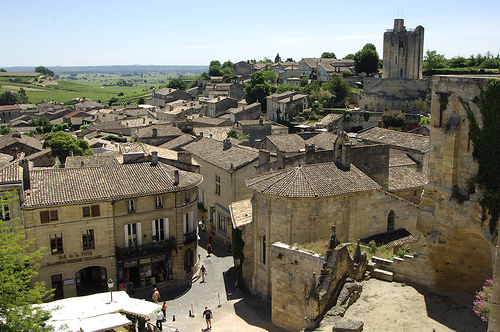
[173, 320]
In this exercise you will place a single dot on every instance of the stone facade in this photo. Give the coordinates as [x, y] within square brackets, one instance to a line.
[408, 95]
[458, 243]
[302, 220]
[292, 270]
[403, 52]
[126, 231]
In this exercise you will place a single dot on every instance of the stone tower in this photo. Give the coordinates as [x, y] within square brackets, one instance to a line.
[403, 52]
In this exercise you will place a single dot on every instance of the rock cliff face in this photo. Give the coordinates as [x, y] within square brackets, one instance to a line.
[456, 235]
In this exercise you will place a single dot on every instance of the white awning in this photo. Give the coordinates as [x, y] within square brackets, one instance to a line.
[103, 322]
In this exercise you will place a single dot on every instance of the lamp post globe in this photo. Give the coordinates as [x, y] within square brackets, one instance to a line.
[111, 283]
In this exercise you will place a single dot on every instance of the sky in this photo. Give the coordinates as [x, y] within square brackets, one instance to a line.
[108, 32]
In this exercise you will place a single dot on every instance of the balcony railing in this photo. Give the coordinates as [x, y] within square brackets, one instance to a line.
[190, 237]
[158, 247]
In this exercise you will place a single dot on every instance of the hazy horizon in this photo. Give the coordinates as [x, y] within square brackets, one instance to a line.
[100, 33]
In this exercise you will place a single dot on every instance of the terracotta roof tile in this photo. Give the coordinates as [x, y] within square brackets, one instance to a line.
[241, 212]
[403, 178]
[90, 184]
[318, 180]
[395, 138]
[287, 142]
[231, 159]
[12, 173]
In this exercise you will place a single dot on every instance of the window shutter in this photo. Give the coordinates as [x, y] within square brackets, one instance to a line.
[139, 234]
[191, 221]
[184, 230]
[153, 227]
[86, 211]
[126, 234]
[167, 230]
[44, 217]
[96, 211]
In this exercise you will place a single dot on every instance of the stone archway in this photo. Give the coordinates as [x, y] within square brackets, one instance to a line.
[91, 280]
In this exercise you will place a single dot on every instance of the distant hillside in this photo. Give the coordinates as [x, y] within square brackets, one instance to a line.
[115, 69]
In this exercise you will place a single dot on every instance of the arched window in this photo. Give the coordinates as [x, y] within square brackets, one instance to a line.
[390, 221]
[263, 249]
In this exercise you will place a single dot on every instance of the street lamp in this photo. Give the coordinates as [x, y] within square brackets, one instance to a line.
[111, 283]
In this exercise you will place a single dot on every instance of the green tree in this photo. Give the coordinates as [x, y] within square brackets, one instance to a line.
[228, 63]
[112, 101]
[287, 87]
[338, 88]
[458, 62]
[177, 83]
[277, 58]
[141, 101]
[304, 80]
[8, 98]
[485, 137]
[490, 63]
[349, 56]
[43, 70]
[204, 76]
[214, 70]
[433, 60]
[366, 60]
[347, 73]
[5, 130]
[18, 267]
[2, 70]
[269, 76]
[22, 98]
[257, 89]
[214, 63]
[61, 143]
[329, 55]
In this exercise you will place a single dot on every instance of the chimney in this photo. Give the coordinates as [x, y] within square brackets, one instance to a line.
[261, 121]
[154, 158]
[82, 164]
[26, 174]
[184, 157]
[226, 144]
[310, 153]
[176, 177]
[71, 153]
[155, 132]
[201, 134]
[280, 159]
[264, 157]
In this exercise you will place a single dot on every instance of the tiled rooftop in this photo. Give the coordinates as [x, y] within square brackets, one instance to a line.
[241, 212]
[403, 178]
[395, 138]
[161, 131]
[89, 184]
[400, 160]
[12, 173]
[12, 138]
[288, 142]
[324, 141]
[231, 159]
[218, 133]
[317, 180]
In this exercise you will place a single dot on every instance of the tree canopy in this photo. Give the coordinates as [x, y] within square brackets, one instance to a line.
[177, 83]
[18, 267]
[277, 58]
[61, 143]
[339, 89]
[329, 55]
[8, 98]
[43, 70]
[366, 60]
[257, 89]
[433, 60]
[228, 63]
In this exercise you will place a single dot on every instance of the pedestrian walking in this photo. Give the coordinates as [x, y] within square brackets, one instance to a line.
[209, 249]
[208, 317]
[156, 295]
[159, 319]
[164, 310]
[203, 273]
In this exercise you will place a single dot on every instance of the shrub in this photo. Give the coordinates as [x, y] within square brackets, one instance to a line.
[404, 250]
[482, 303]
[393, 119]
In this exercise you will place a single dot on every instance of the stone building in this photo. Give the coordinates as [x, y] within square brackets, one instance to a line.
[458, 244]
[157, 134]
[282, 106]
[224, 167]
[134, 223]
[300, 204]
[14, 143]
[166, 95]
[403, 52]
[219, 106]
